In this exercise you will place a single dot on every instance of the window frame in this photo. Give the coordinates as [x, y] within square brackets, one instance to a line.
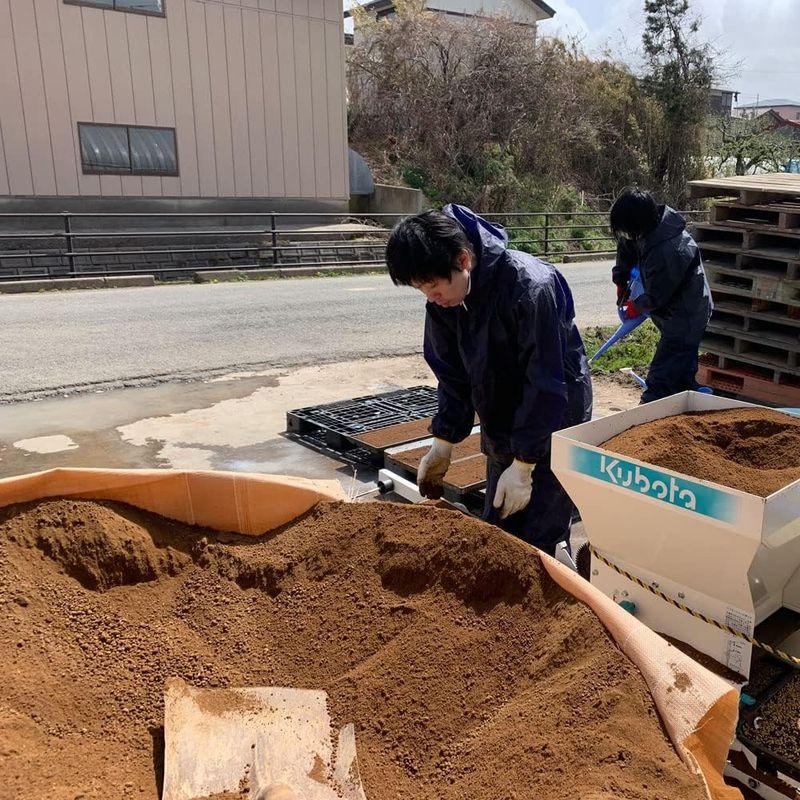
[87, 170]
[142, 11]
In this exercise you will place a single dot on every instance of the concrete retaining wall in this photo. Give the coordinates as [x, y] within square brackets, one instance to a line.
[389, 200]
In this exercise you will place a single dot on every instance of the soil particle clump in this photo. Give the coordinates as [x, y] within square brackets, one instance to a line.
[755, 450]
[467, 671]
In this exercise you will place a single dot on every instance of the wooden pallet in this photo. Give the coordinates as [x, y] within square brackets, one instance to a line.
[729, 241]
[751, 252]
[756, 309]
[739, 329]
[747, 381]
[758, 353]
[769, 216]
[750, 189]
[754, 281]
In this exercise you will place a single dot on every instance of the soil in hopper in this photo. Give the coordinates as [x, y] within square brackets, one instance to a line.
[755, 450]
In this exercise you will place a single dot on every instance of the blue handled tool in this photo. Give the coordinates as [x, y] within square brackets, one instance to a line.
[628, 323]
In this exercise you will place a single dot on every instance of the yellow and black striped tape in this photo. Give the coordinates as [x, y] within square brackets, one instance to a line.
[773, 651]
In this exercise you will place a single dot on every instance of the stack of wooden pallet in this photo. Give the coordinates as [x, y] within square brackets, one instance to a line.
[751, 252]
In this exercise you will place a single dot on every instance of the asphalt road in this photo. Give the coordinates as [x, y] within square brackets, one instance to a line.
[86, 340]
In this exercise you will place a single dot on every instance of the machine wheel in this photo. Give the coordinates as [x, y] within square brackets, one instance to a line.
[583, 560]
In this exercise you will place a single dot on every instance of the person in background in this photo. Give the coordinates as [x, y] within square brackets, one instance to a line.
[675, 294]
[500, 337]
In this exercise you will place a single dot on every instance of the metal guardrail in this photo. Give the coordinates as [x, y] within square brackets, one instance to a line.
[279, 239]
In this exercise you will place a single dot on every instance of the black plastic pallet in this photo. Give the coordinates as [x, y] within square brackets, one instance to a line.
[333, 423]
[769, 756]
[355, 456]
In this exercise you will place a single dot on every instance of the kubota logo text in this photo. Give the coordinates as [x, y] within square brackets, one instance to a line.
[630, 475]
[677, 491]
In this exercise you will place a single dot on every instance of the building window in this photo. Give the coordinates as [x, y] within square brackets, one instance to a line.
[153, 7]
[127, 150]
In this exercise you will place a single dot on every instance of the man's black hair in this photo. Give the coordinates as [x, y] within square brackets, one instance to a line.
[634, 212]
[424, 248]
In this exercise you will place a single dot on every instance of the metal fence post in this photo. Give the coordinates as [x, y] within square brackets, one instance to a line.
[276, 256]
[546, 233]
[68, 237]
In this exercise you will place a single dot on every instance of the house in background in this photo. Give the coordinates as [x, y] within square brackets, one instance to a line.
[788, 109]
[720, 101]
[779, 124]
[165, 105]
[525, 12]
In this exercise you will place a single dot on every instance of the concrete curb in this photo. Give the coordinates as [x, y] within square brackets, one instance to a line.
[230, 275]
[219, 275]
[576, 258]
[55, 284]
[300, 272]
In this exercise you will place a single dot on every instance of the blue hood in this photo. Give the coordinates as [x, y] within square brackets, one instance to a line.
[489, 241]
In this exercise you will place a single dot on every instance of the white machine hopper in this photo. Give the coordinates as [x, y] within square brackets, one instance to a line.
[730, 555]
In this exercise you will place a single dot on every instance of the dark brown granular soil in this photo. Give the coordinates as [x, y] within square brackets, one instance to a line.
[765, 672]
[397, 434]
[468, 466]
[775, 723]
[471, 446]
[469, 471]
[755, 450]
[468, 672]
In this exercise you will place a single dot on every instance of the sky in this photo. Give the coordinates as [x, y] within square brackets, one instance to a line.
[759, 39]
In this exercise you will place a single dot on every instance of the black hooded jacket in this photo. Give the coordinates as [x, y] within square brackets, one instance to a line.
[510, 352]
[675, 286]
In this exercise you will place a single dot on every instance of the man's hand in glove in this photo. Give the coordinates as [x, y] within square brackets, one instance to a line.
[513, 489]
[432, 469]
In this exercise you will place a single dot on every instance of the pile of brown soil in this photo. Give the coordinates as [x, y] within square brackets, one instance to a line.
[752, 449]
[467, 671]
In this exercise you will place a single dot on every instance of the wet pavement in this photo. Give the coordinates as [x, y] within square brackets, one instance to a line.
[234, 423]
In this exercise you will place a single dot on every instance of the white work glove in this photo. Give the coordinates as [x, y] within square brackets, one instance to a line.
[432, 469]
[514, 488]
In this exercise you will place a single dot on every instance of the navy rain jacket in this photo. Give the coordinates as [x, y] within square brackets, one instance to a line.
[672, 273]
[510, 352]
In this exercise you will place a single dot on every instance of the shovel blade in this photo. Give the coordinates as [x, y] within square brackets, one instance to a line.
[262, 743]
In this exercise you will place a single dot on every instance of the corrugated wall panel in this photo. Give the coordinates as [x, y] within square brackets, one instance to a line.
[161, 68]
[34, 105]
[319, 105]
[62, 135]
[95, 39]
[237, 100]
[122, 81]
[12, 116]
[144, 105]
[305, 109]
[78, 91]
[253, 88]
[201, 99]
[337, 113]
[273, 110]
[288, 94]
[220, 100]
[256, 112]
